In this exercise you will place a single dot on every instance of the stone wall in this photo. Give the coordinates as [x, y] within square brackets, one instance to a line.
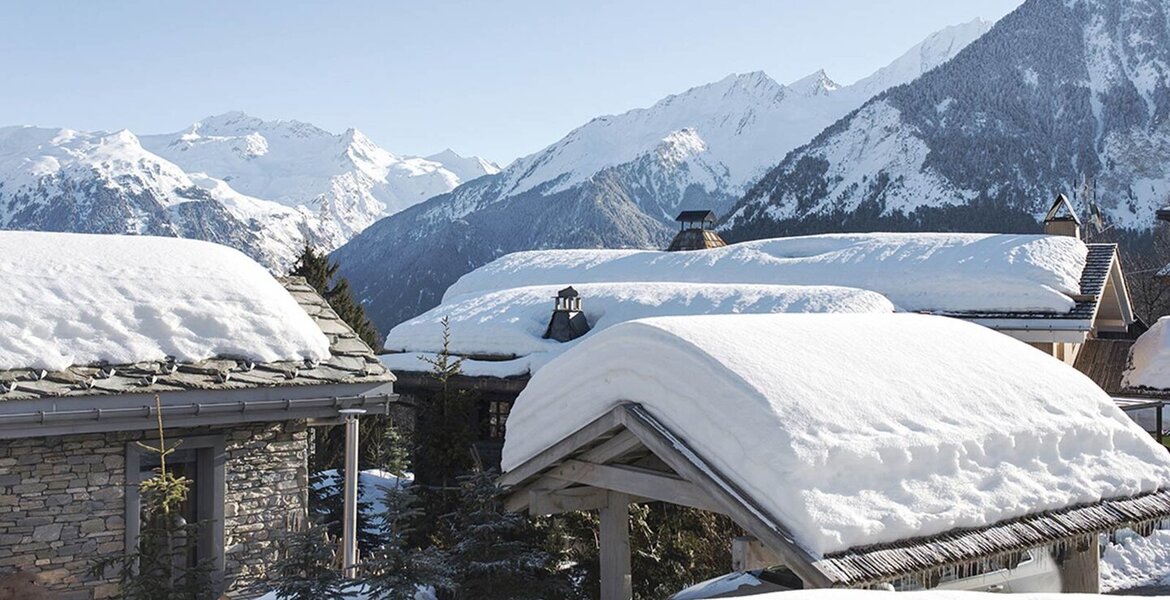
[62, 503]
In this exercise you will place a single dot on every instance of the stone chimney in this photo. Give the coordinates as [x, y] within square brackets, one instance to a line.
[1062, 219]
[567, 322]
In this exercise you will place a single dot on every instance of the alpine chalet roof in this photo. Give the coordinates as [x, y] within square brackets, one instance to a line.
[867, 428]
[1099, 261]
[350, 360]
[883, 445]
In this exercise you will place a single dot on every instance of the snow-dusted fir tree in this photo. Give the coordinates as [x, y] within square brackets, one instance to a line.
[395, 570]
[308, 568]
[497, 554]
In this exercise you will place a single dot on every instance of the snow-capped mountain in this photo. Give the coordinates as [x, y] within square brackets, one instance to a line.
[617, 181]
[1059, 91]
[263, 187]
[345, 178]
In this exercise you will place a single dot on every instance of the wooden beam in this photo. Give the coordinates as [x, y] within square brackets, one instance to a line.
[637, 482]
[622, 443]
[561, 501]
[616, 581]
[748, 554]
[734, 502]
[558, 451]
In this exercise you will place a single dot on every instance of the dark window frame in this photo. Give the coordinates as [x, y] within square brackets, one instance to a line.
[211, 460]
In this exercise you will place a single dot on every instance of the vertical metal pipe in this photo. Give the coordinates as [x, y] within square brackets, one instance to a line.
[349, 518]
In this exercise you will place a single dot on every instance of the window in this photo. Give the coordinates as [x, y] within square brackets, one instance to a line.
[497, 418]
[201, 460]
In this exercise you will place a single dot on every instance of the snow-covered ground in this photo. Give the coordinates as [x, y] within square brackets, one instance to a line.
[76, 299]
[948, 272]
[1134, 561]
[863, 428]
[512, 323]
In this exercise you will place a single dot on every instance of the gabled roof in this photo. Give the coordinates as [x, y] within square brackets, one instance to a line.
[1062, 210]
[350, 361]
[856, 423]
[629, 450]
[1164, 213]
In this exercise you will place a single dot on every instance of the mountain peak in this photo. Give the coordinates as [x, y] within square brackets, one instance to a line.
[813, 84]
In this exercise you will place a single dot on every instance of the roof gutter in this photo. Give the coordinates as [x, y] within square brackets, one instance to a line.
[53, 416]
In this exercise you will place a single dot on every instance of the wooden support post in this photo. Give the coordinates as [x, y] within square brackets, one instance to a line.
[616, 583]
[748, 554]
[1080, 569]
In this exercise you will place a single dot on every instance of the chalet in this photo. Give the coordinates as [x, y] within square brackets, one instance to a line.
[94, 330]
[886, 449]
[1053, 291]
[506, 335]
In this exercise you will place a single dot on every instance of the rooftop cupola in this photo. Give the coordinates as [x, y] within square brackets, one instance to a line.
[1062, 219]
[567, 322]
[696, 232]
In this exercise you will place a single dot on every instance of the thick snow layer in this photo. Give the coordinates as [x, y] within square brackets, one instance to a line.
[1132, 561]
[948, 272]
[1149, 360]
[72, 299]
[856, 429]
[512, 322]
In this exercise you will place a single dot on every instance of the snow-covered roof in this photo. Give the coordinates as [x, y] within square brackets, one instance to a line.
[855, 429]
[938, 272]
[1149, 359]
[75, 299]
[511, 322]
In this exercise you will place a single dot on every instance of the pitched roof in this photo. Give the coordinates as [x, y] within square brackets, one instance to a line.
[885, 399]
[350, 361]
[1099, 262]
[695, 239]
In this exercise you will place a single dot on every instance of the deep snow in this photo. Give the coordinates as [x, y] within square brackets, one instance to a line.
[511, 323]
[856, 429]
[74, 299]
[1149, 359]
[945, 272]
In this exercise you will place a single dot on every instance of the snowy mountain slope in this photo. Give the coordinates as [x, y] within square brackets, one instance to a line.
[617, 181]
[262, 187]
[1056, 91]
[346, 178]
[65, 180]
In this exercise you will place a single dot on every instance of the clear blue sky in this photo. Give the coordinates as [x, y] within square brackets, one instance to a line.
[499, 79]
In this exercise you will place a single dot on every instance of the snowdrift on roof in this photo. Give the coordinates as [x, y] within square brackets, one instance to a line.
[1149, 359]
[512, 321]
[945, 272]
[856, 429]
[74, 299]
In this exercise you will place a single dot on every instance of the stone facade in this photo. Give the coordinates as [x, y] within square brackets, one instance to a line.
[62, 503]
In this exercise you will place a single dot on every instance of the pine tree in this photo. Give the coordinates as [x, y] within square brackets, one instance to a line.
[395, 569]
[308, 567]
[498, 554]
[387, 451]
[322, 276]
[445, 424]
[161, 566]
[327, 507]
[443, 437]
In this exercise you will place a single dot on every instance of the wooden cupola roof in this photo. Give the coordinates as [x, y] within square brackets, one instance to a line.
[696, 232]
